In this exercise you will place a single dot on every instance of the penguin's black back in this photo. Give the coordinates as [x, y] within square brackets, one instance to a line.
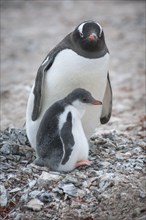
[48, 142]
[49, 123]
[51, 143]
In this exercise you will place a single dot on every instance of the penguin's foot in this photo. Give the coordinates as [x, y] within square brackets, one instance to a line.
[83, 163]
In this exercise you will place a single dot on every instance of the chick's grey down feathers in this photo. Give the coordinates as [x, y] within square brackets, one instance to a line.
[54, 145]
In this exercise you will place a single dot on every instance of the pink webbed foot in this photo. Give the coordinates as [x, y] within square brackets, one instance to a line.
[83, 163]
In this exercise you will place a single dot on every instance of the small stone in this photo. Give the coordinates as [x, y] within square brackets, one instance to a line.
[99, 141]
[112, 152]
[35, 204]
[137, 150]
[46, 197]
[26, 170]
[57, 190]
[11, 176]
[2, 158]
[119, 156]
[106, 181]
[17, 189]
[2, 176]
[17, 158]
[142, 194]
[22, 137]
[34, 193]
[3, 196]
[19, 216]
[24, 198]
[32, 183]
[15, 149]
[47, 177]
[6, 149]
[123, 196]
[141, 218]
[105, 164]
[81, 193]
[138, 168]
[137, 211]
[69, 188]
[71, 179]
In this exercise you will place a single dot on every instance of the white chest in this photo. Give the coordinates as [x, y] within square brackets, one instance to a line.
[70, 71]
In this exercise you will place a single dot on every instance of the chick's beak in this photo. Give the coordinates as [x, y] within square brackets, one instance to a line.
[96, 102]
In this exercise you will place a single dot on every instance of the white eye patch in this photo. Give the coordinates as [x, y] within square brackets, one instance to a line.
[80, 28]
[100, 29]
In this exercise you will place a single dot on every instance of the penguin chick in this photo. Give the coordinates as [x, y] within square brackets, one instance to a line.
[61, 143]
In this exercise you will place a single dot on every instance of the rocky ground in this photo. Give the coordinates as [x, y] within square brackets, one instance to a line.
[113, 187]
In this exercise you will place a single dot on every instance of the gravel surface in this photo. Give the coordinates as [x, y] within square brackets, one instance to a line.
[113, 187]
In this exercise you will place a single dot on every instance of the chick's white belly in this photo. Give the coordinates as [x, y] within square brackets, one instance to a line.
[81, 148]
[68, 72]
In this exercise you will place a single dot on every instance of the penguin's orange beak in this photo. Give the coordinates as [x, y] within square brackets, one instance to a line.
[96, 102]
[93, 37]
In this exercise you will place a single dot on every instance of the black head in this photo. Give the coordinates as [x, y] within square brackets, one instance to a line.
[89, 36]
[82, 96]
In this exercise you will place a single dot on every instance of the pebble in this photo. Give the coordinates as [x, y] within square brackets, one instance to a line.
[137, 150]
[68, 188]
[6, 149]
[2, 176]
[71, 179]
[2, 158]
[35, 193]
[3, 196]
[46, 177]
[142, 194]
[19, 216]
[17, 189]
[26, 170]
[46, 197]
[35, 204]
[32, 183]
[105, 163]
[141, 218]
[24, 198]
[15, 149]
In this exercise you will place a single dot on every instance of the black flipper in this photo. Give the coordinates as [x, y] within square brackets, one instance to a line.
[47, 63]
[107, 103]
[38, 88]
[67, 138]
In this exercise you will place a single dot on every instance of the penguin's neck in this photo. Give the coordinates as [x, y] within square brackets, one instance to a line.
[80, 107]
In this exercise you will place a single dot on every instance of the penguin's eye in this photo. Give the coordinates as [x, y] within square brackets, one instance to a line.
[81, 35]
[84, 100]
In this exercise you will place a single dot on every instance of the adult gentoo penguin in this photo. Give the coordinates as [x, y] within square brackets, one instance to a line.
[61, 143]
[81, 59]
